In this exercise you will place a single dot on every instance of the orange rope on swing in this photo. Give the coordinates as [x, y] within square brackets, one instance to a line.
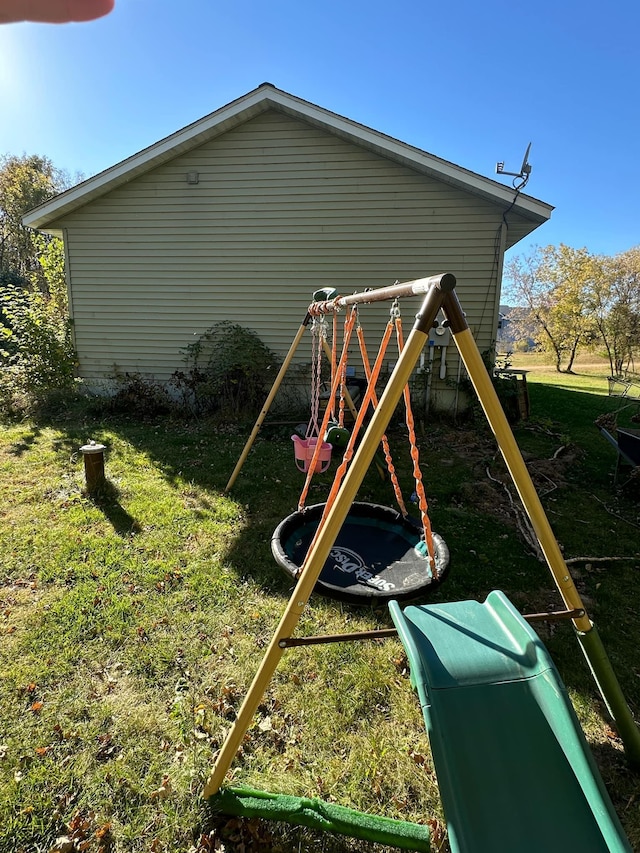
[334, 360]
[371, 399]
[417, 473]
[385, 441]
[348, 454]
[349, 324]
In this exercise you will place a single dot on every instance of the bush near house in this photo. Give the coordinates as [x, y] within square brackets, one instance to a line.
[36, 350]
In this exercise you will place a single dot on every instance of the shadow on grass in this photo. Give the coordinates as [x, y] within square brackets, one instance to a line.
[206, 455]
[26, 442]
[269, 485]
[105, 498]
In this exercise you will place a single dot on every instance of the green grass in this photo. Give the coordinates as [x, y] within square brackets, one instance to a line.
[133, 624]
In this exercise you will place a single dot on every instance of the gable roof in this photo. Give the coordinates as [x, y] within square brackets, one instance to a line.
[268, 97]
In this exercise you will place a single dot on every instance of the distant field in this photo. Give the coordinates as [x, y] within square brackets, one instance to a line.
[584, 363]
[589, 374]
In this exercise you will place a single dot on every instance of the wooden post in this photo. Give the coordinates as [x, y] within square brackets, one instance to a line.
[93, 454]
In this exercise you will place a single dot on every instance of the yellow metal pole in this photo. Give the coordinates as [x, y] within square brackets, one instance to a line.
[587, 634]
[326, 537]
[513, 458]
[267, 405]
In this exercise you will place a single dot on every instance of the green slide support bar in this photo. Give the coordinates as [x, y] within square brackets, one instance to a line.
[317, 814]
[514, 769]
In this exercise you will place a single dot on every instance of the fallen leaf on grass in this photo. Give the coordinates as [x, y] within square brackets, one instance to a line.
[438, 834]
[81, 833]
[108, 749]
[265, 725]
[103, 837]
[163, 791]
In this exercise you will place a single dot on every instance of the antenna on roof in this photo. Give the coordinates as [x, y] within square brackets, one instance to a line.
[523, 174]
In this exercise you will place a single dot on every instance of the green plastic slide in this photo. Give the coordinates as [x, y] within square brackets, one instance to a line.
[514, 769]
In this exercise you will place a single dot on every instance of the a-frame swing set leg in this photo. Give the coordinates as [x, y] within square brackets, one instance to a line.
[271, 397]
[267, 404]
[586, 632]
[439, 294]
[318, 554]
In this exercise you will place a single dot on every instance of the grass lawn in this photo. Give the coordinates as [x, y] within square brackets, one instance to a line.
[132, 624]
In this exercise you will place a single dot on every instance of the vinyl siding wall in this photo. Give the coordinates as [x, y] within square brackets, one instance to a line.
[281, 209]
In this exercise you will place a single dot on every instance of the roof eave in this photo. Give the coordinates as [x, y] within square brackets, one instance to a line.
[259, 100]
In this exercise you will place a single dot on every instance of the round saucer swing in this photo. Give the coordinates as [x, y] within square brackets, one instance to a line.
[379, 553]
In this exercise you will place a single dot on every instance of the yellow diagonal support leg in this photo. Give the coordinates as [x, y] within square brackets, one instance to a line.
[327, 535]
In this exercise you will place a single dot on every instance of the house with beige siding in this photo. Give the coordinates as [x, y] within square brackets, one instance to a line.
[241, 215]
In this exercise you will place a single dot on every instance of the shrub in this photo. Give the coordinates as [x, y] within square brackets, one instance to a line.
[229, 372]
[136, 395]
[36, 350]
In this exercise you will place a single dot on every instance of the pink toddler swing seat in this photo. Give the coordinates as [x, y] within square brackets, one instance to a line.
[304, 448]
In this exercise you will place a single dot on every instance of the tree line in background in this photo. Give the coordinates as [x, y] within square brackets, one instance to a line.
[36, 350]
[570, 300]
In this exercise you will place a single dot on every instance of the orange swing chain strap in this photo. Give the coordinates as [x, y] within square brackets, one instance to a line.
[350, 320]
[385, 441]
[349, 324]
[334, 361]
[417, 473]
[348, 453]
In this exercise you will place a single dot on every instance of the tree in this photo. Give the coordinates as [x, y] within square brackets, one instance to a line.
[36, 348]
[552, 285]
[50, 259]
[615, 303]
[25, 182]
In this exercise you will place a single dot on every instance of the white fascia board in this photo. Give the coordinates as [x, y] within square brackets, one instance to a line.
[257, 101]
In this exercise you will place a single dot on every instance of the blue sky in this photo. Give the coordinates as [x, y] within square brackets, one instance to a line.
[471, 82]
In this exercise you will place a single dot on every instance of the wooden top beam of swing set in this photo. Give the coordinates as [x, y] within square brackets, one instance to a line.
[445, 281]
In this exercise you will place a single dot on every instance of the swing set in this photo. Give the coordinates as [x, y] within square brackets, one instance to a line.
[380, 553]
[514, 769]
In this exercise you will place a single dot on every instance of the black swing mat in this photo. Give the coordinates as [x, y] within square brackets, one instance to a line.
[376, 556]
